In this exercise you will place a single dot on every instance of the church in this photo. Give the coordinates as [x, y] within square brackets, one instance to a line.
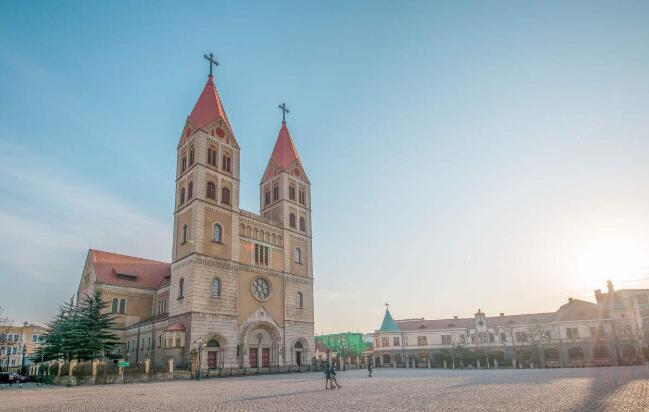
[240, 285]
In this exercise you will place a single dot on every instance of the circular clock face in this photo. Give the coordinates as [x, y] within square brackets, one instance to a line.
[260, 288]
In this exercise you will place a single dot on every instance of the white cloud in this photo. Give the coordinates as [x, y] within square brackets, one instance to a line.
[50, 217]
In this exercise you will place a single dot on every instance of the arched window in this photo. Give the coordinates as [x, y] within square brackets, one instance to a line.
[291, 219]
[216, 287]
[217, 234]
[298, 255]
[191, 155]
[185, 233]
[122, 306]
[302, 224]
[184, 163]
[114, 308]
[300, 300]
[181, 288]
[190, 190]
[182, 195]
[211, 190]
[213, 343]
[225, 196]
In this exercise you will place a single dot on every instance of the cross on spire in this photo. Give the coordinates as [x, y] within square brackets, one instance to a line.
[387, 305]
[210, 59]
[284, 111]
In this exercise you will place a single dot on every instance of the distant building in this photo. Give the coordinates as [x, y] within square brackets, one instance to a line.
[13, 339]
[348, 344]
[579, 333]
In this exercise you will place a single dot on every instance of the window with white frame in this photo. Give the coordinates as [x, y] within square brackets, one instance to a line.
[300, 300]
[298, 255]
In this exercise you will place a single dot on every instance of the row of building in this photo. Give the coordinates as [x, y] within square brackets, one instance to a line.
[612, 331]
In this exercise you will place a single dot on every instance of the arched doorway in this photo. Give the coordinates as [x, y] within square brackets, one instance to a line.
[260, 345]
[299, 353]
[213, 349]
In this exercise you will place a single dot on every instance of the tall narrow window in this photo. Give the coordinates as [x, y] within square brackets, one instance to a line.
[267, 197]
[226, 163]
[291, 220]
[217, 233]
[184, 163]
[211, 156]
[182, 195]
[300, 300]
[225, 196]
[302, 197]
[191, 155]
[122, 306]
[114, 308]
[261, 255]
[275, 193]
[216, 287]
[211, 190]
[291, 192]
[302, 224]
[298, 255]
[190, 190]
[185, 233]
[181, 288]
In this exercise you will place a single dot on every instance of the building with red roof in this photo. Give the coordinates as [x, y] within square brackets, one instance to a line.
[240, 284]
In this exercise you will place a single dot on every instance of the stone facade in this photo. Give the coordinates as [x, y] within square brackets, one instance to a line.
[240, 283]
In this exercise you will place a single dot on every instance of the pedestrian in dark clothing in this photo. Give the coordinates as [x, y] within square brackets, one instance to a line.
[327, 372]
[332, 372]
[369, 368]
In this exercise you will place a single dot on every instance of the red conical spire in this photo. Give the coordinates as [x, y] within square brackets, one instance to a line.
[208, 107]
[284, 153]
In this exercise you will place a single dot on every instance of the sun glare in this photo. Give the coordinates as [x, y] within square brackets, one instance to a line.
[615, 257]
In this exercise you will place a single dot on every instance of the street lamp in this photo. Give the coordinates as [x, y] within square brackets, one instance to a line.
[22, 366]
[198, 346]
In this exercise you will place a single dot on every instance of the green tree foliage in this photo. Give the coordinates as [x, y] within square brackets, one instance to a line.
[81, 332]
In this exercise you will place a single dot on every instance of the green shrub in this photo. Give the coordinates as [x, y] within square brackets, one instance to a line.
[65, 369]
[54, 369]
[107, 369]
[83, 369]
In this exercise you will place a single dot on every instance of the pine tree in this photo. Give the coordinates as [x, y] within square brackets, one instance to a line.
[96, 339]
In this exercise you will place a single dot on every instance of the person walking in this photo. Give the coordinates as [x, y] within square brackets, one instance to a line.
[332, 373]
[327, 372]
[369, 368]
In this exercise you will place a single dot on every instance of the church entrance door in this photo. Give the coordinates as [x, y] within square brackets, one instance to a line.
[298, 358]
[265, 357]
[252, 356]
[212, 359]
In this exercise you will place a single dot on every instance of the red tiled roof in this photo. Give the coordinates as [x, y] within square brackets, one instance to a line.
[208, 107]
[176, 327]
[122, 270]
[284, 153]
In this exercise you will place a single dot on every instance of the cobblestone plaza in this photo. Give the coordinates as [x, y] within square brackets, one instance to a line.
[584, 389]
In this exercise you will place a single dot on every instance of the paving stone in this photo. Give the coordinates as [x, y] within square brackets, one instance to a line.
[584, 389]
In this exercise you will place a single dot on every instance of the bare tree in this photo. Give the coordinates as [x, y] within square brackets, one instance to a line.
[511, 333]
[5, 328]
[537, 340]
[456, 347]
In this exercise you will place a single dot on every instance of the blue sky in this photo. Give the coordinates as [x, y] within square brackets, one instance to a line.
[462, 155]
